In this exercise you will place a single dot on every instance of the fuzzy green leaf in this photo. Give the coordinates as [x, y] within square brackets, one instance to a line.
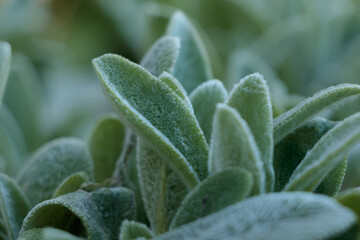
[329, 151]
[157, 115]
[290, 120]
[13, 205]
[106, 143]
[95, 215]
[292, 149]
[161, 188]
[131, 230]
[251, 98]
[351, 198]
[162, 56]
[192, 66]
[216, 192]
[233, 145]
[204, 99]
[32, 234]
[71, 184]
[5, 64]
[56, 234]
[295, 216]
[51, 165]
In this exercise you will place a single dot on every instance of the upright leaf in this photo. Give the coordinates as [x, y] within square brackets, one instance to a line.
[157, 115]
[131, 230]
[329, 151]
[13, 205]
[216, 192]
[162, 56]
[251, 98]
[106, 143]
[192, 66]
[204, 99]
[290, 120]
[51, 164]
[71, 184]
[295, 216]
[5, 64]
[233, 145]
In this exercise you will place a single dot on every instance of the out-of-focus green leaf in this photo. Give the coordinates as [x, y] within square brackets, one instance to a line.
[351, 198]
[296, 216]
[51, 165]
[192, 66]
[233, 145]
[56, 234]
[204, 99]
[328, 152]
[106, 143]
[251, 98]
[162, 56]
[216, 192]
[155, 114]
[5, 64]
[14, 206]
[71, 184]
[131, 230]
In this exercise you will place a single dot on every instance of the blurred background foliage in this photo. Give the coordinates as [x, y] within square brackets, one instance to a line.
[299, 46]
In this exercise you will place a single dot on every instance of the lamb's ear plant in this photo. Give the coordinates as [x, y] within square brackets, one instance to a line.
[5, 63]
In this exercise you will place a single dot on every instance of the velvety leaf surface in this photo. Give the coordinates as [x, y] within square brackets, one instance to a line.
[296, 216]
[51, 165]
[32, 234]
[204, 99]
[351, 198]
[13, 205]
[106, 143]
[161, 188]
[162, 56]
[290, 120]
[251, 98]
[156, 114]
[329, 151]
[233, 145]
[5, 64]
[216, 192]
[192, 66]
[56, 234]
[71, 184]
[131, 230]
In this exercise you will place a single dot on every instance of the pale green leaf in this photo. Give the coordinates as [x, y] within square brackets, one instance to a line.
[295, 216]
[233, 145]
[155, 114]
[161, 188]
[51, 165]
[71, 184]
[131, 230]
[106, 143]
[290, 120]
[13, 205]
[329, 151]
[57, 234]
[32, 234]
[251, 98]
[192, 66]
[216, 192]
[351, 198]
[5, 64]
[204, 99]
[162, 56]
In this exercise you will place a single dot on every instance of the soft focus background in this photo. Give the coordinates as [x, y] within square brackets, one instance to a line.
[52, 90]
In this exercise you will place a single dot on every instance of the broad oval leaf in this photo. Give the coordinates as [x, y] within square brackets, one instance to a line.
[251, 98]
[131, 230]
[233, 145]
[295, 216]
[192, 66]
[329, 151]
[56, 234]
[290, 120]
[162, 56]
[5, 64]
[216, 192]
[51, 164]
[204, 99]
[156, 114]
[106, 143]
[14, 206]
[71, 184]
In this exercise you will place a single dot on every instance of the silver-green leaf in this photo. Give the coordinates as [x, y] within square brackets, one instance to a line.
[71, 184]
[131, 230]
[5, 64]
